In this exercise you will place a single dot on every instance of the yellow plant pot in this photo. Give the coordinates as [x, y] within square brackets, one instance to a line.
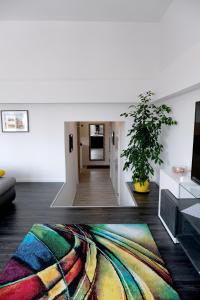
[2, 173]
[141, 188]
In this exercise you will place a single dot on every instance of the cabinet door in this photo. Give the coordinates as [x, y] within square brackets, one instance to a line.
[169, 210]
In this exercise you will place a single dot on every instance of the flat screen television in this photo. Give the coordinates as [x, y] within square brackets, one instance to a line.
[195, 173]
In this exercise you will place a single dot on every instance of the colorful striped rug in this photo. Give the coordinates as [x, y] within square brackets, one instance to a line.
[104, 262]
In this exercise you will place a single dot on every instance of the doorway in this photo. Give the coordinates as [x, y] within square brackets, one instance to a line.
[96, 142]
[93, 165]
[94, 139]
[98, 158]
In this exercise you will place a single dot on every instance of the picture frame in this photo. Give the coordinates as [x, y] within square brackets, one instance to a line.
[71, 143]
[14, 121]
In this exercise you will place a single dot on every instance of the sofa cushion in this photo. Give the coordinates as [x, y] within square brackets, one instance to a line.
[8, 197]
[6, 183]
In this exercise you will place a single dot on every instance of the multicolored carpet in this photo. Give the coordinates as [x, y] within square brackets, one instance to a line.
[95, 262]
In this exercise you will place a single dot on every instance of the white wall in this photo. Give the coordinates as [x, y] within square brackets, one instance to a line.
[39, 155]
[84, 139]
[68, 62]
[60, 61]
[115, 151]
[71, 160]
[178, 140]
[76, 61]
[180, 47]
[125, 198]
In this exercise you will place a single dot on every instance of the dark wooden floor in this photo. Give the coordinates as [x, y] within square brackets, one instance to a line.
[32, 206]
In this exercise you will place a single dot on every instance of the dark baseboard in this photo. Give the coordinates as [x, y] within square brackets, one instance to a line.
[98, 167]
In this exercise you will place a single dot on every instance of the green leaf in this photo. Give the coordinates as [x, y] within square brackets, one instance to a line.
[144, 148]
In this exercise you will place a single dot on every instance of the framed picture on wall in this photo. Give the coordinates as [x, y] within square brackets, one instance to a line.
[14, 120]
[71, 143]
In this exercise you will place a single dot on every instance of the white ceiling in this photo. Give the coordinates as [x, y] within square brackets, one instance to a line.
[84, 10]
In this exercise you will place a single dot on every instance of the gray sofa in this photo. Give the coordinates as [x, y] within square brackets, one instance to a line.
[7, 190]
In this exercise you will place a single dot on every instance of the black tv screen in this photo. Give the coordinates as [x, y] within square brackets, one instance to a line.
[195, 174]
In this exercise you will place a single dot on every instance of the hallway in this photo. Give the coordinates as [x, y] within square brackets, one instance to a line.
[95, 189]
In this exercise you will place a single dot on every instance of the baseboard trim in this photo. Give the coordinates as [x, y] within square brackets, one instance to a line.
[98, 167]
[61, 180]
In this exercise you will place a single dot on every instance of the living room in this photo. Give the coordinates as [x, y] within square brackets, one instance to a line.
[84, 63]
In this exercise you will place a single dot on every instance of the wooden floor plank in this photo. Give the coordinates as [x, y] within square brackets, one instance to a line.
[95, 189]
[33, 206]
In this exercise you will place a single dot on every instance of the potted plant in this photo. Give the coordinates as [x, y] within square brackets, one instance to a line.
[144, 148]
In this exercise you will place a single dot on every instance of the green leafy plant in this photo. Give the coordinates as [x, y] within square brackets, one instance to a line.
[144, 148]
